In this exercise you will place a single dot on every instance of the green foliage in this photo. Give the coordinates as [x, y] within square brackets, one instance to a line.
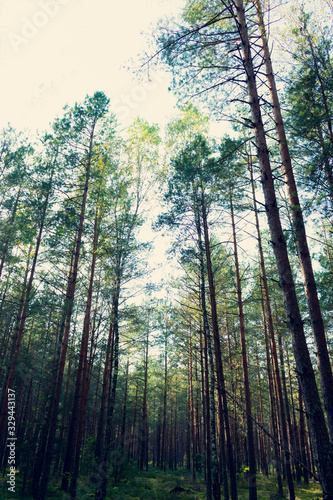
[311, 81]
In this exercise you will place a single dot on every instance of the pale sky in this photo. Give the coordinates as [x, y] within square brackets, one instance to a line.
[54, 52]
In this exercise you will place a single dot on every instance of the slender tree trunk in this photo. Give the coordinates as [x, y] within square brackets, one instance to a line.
[123, 422]
[285, 416]
[91, 359]
[188, 425]
[215, 465]
[262, 438]
[218, 358]
[48, 429]
[163, 446]
[24, 311]
[171, 434]
[249, 421]
[291, 439]
[321, 351]
[4, 395]
[134, 424]
[303, 437]
[273, 348]
[223, 457]
[100, 492]
[144, 424]
[63, 420]
[191, 404]
[175, 436]
[105, 385]
[207, 418]
[295, 428]
[205, 408]
[46, 409]
[271, 332]
[232, 388]
[317, 424]
[71, 464]
[198, 414]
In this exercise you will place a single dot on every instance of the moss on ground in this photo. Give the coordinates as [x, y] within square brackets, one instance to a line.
[169, 485]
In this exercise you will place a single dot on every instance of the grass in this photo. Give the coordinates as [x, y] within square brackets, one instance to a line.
[158, 485]
[267, 489]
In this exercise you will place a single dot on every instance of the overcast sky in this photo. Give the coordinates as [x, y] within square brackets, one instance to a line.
[54, 52]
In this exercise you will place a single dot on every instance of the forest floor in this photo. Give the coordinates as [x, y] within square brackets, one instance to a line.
[156, 485]
[172, 485]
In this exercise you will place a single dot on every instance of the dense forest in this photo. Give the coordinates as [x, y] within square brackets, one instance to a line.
[213, 372]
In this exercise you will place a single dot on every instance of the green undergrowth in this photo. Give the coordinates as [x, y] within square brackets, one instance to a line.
[170, 485]
[157, 485]
[267, 489]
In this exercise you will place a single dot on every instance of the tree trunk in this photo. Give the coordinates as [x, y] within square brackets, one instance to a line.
[48, 429]
[123, 420]
[273, 347]
[144, 424]
[133, 455]
[321, 351]
[175, 435]
[24, 311]
[214, 458]
[317, 424]
[262, 437]
[249, 421]
[100, 492]
[205, 408]
[105, 385]
[163, 446]
[304, 457]
[218, 358]
[4, 395]
[191, 404]
[71, 464]
[295, 428]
